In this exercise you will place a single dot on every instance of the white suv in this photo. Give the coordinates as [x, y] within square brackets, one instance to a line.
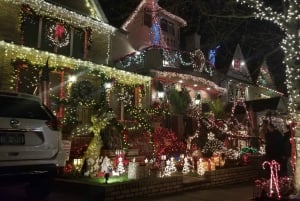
[31, 148]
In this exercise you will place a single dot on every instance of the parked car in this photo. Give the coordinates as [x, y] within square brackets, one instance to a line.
[31, 149]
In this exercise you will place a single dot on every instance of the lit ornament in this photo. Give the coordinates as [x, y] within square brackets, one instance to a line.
[170, 168]
[120, 167]
[186, 166]
[200, 167]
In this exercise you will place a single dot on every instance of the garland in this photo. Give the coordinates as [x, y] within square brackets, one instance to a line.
[82, 93]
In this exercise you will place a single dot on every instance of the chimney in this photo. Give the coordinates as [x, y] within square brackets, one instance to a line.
[192, 42]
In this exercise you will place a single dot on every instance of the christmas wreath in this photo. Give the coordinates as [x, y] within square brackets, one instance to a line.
[58, 35]
[82, 92]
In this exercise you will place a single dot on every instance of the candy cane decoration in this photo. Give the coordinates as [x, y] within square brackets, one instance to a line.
[274, 168]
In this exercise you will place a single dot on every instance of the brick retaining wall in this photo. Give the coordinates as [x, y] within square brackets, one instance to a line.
[221, 177]
[143, 188]
[150, 187]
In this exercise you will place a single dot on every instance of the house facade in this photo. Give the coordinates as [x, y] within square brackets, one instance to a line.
[148, 47]
[48, 47]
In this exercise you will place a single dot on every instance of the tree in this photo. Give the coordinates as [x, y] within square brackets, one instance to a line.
[287, 17]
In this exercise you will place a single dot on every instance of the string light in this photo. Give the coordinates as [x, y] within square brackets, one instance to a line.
[38, 58]
[274, 186]
[44, 8]
[265, 81]
[288, 21]
[58, 35]
[173, 76]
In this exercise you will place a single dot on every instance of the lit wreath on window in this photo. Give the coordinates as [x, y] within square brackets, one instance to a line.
[58, 35]
[82, 92]
[199, 61]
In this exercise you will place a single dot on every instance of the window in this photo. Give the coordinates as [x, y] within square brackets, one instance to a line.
[52, 35]
[167, 26]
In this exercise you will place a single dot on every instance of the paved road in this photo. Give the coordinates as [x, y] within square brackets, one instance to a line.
[229, 193]
[241, 192]
[17, 193]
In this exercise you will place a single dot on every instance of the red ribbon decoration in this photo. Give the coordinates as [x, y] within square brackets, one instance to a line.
[59, 30]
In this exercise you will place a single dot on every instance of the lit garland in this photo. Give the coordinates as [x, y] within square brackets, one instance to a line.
[242, 103]
[194, 59]
[140, 115]
[196, 79]
[288, 21]
[264, 80]
[137, 58]
[199, 61]
[38, 58]
[44, 8]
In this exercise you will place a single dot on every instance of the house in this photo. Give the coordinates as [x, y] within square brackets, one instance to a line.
[153, 35]
[150, 45]
[240, 83]
[43, 44]
[259, 97]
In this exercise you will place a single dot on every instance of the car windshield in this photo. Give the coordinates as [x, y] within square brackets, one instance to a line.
[22, 108]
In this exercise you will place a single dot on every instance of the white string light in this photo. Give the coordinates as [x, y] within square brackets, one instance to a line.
[289, 22]
[44, 8]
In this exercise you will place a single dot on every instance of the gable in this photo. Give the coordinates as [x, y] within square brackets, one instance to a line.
[152, 5]
[238, 68]
[264, 78]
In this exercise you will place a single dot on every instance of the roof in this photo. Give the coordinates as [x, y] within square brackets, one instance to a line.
[90, 8]
[195, 82]
[150, 4]
[276, 103]
[238, 68]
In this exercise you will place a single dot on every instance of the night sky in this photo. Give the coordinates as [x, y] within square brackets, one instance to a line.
[217, 23]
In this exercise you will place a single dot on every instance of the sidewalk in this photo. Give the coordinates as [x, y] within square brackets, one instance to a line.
[241, 192]
[236, 192]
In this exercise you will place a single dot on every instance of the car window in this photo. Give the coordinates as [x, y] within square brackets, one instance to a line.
[22, 108]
